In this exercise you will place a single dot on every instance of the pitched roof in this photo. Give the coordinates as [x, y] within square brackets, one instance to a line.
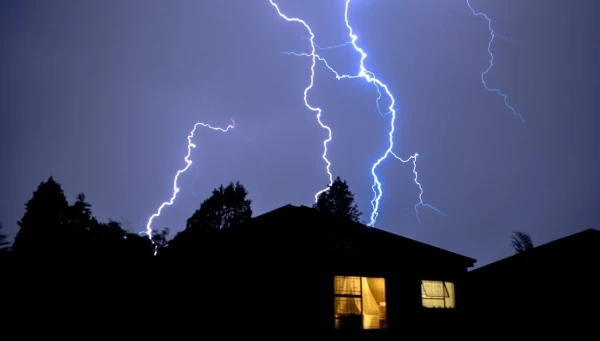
[308, 229]
[569, 246]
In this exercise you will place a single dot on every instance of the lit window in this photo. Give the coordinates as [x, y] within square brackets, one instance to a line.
[437, 294]
[359, 303]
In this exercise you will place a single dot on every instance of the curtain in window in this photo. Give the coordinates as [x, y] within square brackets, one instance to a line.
[373, 301]
[347, 286]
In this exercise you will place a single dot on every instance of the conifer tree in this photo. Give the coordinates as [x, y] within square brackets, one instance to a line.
[42, 228]
[338, 200]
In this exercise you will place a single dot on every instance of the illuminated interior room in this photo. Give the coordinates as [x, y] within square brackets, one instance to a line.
[437, 294]
[360, 303]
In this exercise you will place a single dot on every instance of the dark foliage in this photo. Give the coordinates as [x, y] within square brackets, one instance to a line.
[51, 229]
[3, 239]
[338, 200]
[159, 237]
[521, 241]
[43, 229]
[226, 208]
[4, 243]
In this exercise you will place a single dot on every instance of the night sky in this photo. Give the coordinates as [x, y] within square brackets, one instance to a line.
[102, 95]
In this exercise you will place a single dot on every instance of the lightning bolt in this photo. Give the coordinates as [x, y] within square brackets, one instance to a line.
[188, 163]
[336, 47]
[370, 77]
[493, 35]
[314, 57]
[328, 47]
[321, 59]
[416, 180]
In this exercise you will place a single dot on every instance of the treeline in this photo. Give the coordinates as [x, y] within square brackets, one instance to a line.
[54, 229]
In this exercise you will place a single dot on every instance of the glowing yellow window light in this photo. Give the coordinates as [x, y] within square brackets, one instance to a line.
[360, 302]
[437, 294]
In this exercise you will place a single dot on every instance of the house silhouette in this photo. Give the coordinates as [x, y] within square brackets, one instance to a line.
[549, 288]
[311, 271]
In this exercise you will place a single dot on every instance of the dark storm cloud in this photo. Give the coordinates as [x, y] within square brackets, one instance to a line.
[102, 94]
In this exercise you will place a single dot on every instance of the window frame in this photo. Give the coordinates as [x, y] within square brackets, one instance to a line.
[359, 296]
[442, 298]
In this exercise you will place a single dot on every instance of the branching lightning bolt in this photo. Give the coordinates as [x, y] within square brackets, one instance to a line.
[313, 56]
[188, 163]
[370, 77]
[493, 35]
[335, 47]
[416, 180]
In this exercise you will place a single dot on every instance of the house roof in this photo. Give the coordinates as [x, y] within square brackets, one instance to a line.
[309, 229]
[569, 246]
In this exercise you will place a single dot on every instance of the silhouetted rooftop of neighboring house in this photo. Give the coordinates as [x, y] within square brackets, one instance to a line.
[293, 227]
[570, 249]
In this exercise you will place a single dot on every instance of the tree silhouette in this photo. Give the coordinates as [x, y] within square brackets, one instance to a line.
[137, 247]
[227, 207]
[4, 243]
[51, 228]
[110, 241]
[80, 222]
[338, 201]
[521, 241]
[80, 213]
[159, 237]
[42, 229]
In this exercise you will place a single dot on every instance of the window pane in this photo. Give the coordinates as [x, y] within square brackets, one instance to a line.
[373, 303]
[437, 294]
[348, 313]
[344, 285]
[347, 306]
[360, 303]
[450, 299]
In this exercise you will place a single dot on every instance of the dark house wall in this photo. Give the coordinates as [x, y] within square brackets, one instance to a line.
[307, 250]
[251, 295]
[551, 287]
[301, 299]
[288, 294]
